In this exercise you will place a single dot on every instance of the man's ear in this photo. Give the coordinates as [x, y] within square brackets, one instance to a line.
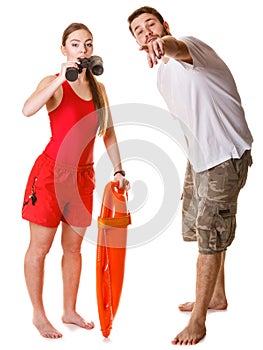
[166, 27]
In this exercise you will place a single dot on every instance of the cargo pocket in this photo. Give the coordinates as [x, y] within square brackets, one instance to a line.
[216, 228]
[241, 167]
[224, 227]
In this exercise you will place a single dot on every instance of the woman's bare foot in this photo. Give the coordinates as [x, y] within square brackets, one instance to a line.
[76, 319]
[220, 305]
[191, 335]
[45, 328]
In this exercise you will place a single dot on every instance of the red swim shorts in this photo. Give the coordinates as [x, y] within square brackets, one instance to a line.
[56, 192]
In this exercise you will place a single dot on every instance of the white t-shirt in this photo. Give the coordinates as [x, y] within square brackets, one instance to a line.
[204, 98]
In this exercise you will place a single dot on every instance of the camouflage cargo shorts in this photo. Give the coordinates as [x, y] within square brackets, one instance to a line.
[210, 203]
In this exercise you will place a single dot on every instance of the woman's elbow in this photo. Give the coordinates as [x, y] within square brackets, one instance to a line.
[27, 112]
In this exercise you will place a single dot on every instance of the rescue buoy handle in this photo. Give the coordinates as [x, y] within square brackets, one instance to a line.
[115, 188]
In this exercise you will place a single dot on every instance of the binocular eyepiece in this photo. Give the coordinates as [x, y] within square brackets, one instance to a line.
[94, 63]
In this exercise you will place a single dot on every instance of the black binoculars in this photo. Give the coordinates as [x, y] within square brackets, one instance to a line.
[94, 63]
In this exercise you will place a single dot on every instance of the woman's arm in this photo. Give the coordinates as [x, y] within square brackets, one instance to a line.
[112, 148]
[47, 92]
[111, 144]
[43, 95]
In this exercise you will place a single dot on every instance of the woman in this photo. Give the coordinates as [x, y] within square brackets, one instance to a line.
[61, 183]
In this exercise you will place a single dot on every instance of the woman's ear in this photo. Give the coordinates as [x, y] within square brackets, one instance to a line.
[63, 50]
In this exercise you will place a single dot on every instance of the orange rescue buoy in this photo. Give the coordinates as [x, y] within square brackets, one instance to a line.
[111, 251]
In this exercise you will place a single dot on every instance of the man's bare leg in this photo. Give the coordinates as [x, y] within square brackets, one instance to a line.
[219, 300]
[208, 266]
[40, 242]
[71, 270]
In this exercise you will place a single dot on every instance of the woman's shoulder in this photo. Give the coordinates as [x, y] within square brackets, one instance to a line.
[46, 80]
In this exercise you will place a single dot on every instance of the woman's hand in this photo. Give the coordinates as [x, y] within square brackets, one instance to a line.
[67, 64]
[124, 184]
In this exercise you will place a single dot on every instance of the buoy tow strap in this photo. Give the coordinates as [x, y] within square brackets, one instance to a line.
[122, 221]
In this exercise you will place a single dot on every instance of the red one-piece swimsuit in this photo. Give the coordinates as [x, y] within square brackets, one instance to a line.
[61, 183]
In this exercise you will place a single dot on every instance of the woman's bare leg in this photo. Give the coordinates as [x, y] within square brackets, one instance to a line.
[71, 270]
[41, 239]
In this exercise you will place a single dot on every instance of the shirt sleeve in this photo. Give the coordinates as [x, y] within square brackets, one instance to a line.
[199, 51]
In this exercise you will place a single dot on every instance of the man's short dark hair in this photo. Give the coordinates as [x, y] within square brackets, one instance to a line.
[140, 11]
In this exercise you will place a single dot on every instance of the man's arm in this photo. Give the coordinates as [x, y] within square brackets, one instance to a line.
[166, 47]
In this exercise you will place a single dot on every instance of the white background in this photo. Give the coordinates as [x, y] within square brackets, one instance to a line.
[160, 274]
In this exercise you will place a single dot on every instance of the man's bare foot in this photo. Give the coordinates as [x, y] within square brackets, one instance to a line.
[46, 329]
[76, 319]
[191, 335]
[213, 305]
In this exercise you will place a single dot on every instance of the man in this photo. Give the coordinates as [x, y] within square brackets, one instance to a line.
[200, 91]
